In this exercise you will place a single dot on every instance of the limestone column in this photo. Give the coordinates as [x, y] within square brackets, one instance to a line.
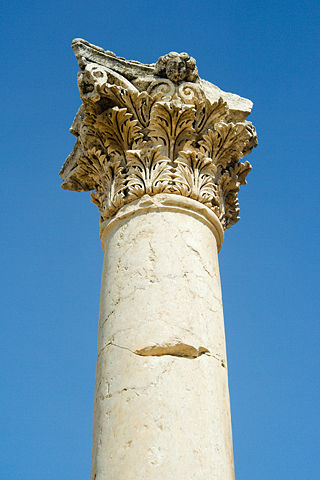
[161, 150]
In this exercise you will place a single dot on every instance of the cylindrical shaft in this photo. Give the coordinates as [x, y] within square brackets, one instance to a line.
[161, 397]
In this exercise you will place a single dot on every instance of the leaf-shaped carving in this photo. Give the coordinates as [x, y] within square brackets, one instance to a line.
[118, 130]
[137, 103]
[228, 142]
[90, 169]
[97, 173]
[208, 114]
[242, 170]
[227, 187]
[148, 172]
[194, 176]
[172, 126]
[109, 195]
[83, 127]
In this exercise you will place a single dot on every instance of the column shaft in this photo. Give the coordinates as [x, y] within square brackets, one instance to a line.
[161, 398]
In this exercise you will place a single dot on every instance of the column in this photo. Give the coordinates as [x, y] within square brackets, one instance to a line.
[160, 149]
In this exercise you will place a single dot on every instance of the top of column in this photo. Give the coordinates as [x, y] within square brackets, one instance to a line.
[149, 129]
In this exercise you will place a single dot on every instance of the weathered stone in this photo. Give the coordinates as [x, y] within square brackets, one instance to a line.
[147, 129]
[161, 401]
[161, 149]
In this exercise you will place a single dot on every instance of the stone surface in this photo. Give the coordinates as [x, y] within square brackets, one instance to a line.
[132, 74]
[161, 400]
[161, 150]
[148, 129]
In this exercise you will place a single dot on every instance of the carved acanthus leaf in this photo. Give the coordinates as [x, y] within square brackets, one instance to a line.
[148, 172]
[118, 131]
[138, 104]
[110, 186]
[227, 187]
[84, 127]
[193, 176]
[208, 114]
[171, 126]
[242, 170]
[91, 169]
[228, 142]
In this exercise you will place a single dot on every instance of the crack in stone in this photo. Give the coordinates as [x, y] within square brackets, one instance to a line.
[184, 329]
[152, 255]
[138, 390]
[114, 345]
[125, 389]
[107, 317]
[220, 360]
[201, 259]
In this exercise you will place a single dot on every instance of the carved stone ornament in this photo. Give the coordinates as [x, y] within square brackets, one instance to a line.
[158, 128]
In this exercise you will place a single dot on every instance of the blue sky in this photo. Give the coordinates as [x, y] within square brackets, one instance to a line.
[50, 249]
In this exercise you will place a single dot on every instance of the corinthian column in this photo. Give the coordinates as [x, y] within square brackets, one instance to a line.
[161, 150]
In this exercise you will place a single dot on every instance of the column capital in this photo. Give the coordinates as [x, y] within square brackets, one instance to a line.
[156, 129]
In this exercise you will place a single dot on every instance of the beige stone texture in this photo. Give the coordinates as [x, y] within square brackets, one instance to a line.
[158, 128]
[161, 401]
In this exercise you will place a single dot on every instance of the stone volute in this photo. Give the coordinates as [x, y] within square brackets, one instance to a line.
[161, 151]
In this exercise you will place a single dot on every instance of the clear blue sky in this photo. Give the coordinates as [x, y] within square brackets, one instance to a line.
[51, 255]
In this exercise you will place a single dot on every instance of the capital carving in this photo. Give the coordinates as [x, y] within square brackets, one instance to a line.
[177, 67]
[158, 128]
